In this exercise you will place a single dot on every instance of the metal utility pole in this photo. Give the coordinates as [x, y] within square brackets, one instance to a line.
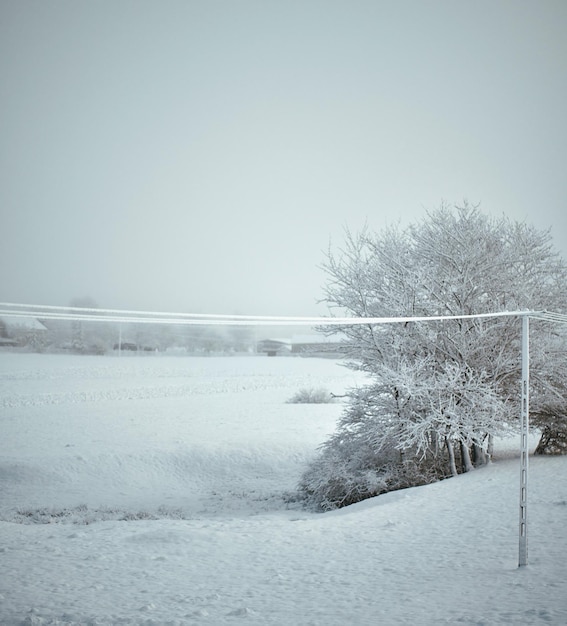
[524, 451]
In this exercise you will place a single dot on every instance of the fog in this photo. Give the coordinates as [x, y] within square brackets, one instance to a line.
[201, 156]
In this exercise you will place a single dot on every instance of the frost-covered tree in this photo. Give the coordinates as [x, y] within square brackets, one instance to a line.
[439, 391]
[88, 337]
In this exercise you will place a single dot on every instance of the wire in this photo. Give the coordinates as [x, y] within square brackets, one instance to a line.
[157, 317]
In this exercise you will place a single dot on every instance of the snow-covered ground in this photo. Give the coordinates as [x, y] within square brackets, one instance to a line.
[155, 490]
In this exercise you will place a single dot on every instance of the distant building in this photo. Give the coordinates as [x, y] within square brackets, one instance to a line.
[21, 331]
[274, 347]
[318, 345]
[304, 345]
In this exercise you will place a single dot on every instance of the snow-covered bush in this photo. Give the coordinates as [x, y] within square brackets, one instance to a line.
[311, 395]
[551, 420]
[363, 459]
[553, 439]
[548, 406]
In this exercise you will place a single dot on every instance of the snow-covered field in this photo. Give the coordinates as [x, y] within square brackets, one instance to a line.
[154, 490]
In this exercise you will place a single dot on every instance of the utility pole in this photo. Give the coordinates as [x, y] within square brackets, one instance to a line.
[524, 451]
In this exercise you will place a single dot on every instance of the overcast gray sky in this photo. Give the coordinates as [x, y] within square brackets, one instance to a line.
[199, 156]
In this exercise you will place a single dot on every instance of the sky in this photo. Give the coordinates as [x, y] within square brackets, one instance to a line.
[203, 156]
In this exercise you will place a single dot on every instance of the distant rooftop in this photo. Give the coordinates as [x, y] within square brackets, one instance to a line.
[22, 323]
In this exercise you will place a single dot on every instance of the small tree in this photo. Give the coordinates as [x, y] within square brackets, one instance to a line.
[88, 337]
[441, 390]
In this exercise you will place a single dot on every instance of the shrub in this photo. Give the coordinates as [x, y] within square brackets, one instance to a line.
[312, 396]
[333, 481]
[354, 465]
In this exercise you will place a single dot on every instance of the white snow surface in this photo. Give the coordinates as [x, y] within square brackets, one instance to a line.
[155, 491]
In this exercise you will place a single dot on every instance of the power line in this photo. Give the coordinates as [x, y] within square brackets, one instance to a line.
[212, 319]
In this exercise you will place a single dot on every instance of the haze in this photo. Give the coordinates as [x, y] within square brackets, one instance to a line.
[199, 156]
